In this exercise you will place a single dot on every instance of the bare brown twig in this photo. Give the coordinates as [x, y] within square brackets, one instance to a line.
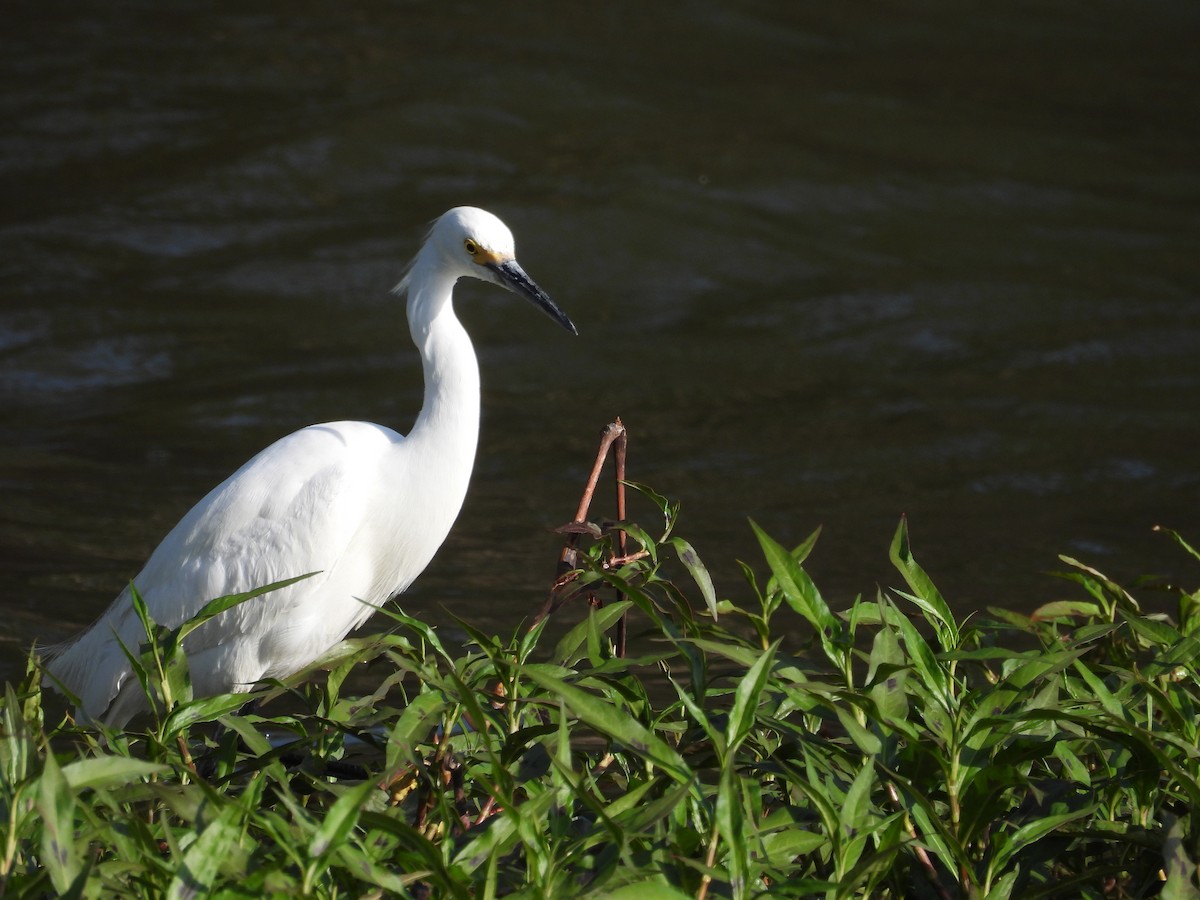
[613, 438]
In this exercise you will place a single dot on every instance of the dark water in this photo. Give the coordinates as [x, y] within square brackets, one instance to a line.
[831, 265]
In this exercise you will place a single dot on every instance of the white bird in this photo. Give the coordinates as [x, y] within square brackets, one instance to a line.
[359, 504]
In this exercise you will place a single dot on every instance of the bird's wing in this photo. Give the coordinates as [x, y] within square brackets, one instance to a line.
[293, 509]
[290, 511]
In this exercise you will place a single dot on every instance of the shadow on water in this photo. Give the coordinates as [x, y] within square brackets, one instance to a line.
[830, 266]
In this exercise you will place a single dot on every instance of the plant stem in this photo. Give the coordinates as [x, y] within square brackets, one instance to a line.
[709, 862]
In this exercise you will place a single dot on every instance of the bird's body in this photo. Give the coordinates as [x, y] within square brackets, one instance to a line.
[356, 503]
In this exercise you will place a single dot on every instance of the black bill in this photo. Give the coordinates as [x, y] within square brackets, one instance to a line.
[512, 276]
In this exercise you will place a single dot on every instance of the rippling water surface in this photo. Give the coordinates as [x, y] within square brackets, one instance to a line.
[830, 265]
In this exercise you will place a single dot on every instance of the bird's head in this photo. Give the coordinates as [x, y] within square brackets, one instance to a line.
[472, 242]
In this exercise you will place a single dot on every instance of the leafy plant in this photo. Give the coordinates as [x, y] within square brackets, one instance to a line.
[777, 745]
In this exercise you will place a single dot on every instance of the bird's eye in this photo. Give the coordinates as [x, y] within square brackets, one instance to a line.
[471, 246]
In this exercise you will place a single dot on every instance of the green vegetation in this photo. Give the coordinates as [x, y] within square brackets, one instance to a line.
[885, 749]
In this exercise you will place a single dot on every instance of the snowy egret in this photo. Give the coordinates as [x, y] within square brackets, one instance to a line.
[362, 506]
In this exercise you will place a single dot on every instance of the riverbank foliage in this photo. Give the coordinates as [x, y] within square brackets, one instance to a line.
[768, 745]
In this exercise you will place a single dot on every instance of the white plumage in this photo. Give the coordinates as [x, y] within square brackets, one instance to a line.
[361, 505]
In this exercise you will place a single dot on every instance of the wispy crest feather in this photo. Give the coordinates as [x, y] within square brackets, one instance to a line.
[401, 287]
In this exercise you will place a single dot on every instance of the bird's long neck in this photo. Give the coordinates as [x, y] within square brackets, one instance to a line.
[447, 429]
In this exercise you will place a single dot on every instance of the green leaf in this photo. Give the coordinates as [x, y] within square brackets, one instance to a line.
[642, 538]
[417, 721]
[884, 834]
[783, 846]
[1073, 766]
[730, 825]
[866, 741]
[17, 748]
[105, 772]
[1180, 869]
[364, 868]
[255, 742]
[692, 563]
[701, 718]
[816, 795]
[636, 815]
[501, 835]
[856, 808]
[206, 709]
[738, 653]
[56, 804]
[800, 553]
[1122, 596]
[426, 632]
[151, 633]
[1006, 846]
[177, 678]
[650, 889]
[933, 676]
[798, 589]
[340, 819]
[1061, 609]
[613, 722]
[665, 506]
[202, 861]
[746, 697]
[927, 597]
[1155, 632]
[1002, 887]
[1177, 538]
[567, 652]
[932, 828]
[218, 605]
[1111, 704]
[1017, 620]
[888, 692]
